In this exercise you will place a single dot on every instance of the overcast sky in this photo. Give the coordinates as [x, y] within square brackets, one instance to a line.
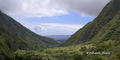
[47, 13]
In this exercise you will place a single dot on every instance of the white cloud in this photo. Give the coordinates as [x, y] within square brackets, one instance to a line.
[43, 8]
[52, 28]
[84, 7]
[30, 8]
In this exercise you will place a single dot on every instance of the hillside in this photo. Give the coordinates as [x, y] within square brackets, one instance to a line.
[104, 27]
[28, 36]
[10, 43]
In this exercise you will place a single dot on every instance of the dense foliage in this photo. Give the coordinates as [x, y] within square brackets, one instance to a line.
[10, 43]
[78, 57]
[32, 55]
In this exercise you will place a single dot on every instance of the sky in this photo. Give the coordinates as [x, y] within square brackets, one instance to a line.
[53, 17]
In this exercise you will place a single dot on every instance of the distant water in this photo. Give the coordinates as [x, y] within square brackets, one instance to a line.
[61, 40]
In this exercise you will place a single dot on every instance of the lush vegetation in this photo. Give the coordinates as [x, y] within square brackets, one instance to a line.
[58, 53]
[108, 50]
[32, 55]
[10, 43]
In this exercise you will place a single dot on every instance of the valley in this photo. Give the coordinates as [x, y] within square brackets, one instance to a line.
[97, 40]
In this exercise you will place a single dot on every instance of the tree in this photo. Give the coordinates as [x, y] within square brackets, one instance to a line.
[78, 57]
[118, 54]
[83, 48]
[96, 58]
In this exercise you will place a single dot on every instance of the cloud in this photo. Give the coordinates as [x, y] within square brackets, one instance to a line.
[31, 8]
[84, 7]
[52, 28]
[43, 8]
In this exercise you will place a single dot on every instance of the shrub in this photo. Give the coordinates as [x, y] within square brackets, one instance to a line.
[78, 57]
[118, 54]
[83, 48]
[96, 58]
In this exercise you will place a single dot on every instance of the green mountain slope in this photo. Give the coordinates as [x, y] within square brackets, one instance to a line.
[28, 36]
[14, 36]
[104, 27]
[10, 43]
